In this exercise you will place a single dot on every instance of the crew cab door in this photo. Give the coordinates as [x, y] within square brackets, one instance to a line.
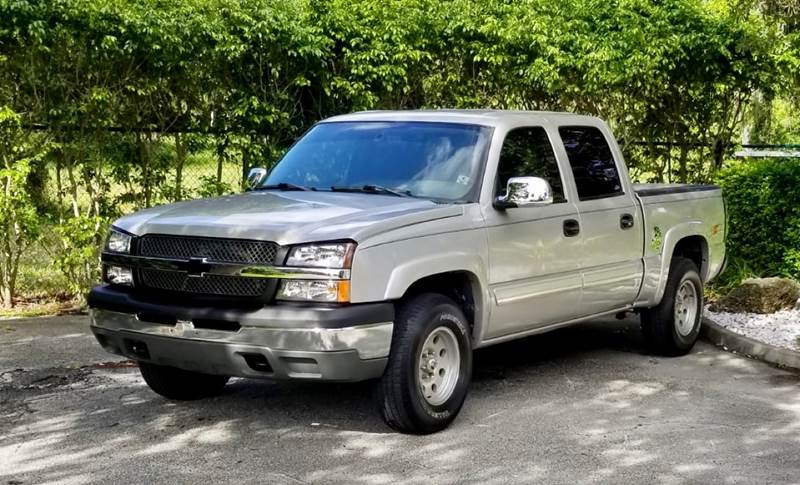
[610, 220]
[534, 269]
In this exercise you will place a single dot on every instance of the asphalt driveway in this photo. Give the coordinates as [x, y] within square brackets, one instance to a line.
[581, 405]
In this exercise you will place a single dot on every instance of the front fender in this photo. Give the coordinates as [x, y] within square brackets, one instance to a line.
[385, 272]
[408, 273]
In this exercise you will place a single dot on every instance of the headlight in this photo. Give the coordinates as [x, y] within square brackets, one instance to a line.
[118, 242]
[337, 255]
[326, 255]
[332, 291]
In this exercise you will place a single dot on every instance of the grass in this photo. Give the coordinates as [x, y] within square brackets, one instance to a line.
[24, 309]
[39, 279]
[41, 286]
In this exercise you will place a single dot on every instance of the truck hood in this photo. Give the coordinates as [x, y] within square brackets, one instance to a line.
[287, 217]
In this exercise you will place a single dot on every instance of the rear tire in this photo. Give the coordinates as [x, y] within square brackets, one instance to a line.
[430, 366]
[179, 384]
[671, 327]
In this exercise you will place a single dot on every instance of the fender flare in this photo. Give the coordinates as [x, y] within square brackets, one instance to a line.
[406, 274]
[670, 240]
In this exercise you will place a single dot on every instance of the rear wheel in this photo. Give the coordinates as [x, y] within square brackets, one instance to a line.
[671, 327]
[179, 384]
[430, 366]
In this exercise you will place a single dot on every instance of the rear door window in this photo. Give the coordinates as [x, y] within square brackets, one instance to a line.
[593, 166]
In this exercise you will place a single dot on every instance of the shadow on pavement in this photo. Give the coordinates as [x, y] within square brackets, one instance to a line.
[579, 405]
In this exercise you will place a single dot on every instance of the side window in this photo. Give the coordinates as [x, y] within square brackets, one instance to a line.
[592, 163]
[527, 152]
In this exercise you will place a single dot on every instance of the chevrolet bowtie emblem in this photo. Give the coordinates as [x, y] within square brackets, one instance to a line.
[181, 327]
[197, 267]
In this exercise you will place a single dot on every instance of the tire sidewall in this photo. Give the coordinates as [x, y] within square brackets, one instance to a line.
[687, 341]
[449, 316]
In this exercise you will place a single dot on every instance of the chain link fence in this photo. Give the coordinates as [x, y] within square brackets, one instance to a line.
[118, 173]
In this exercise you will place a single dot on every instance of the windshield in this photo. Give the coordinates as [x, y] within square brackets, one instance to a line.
[440, 161]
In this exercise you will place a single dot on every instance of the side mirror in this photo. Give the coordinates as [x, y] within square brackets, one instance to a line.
[255, 177]
[525, 192]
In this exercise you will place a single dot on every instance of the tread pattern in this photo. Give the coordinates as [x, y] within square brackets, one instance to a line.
[396, 410]
[658, 326]
[397, 405]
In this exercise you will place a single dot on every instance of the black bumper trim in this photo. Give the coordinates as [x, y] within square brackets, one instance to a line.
[105, 297]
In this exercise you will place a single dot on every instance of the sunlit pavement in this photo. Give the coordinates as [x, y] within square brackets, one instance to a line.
[583, 405]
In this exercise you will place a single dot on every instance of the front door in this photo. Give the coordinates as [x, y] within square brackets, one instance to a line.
[610, 222]
[534, 271]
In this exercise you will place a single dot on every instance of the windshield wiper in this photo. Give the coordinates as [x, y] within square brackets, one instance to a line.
[373, 189]
[285, 186]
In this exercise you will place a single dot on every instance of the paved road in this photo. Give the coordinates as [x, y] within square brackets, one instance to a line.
[582, 405]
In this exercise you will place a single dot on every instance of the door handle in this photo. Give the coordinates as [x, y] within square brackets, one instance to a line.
[625, 221]
[571, 227]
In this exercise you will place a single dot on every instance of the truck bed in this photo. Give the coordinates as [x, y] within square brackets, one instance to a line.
[672, 212]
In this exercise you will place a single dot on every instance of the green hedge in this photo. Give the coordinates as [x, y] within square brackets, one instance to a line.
[763, 202]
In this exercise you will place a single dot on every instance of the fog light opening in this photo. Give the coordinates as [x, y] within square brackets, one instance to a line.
[119, 275]
[257, 362]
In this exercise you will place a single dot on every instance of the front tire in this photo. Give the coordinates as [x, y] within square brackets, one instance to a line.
[671, 327]
[179, 384]
[430, 366]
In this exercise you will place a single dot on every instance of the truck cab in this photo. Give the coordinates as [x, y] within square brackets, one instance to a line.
[390, 245]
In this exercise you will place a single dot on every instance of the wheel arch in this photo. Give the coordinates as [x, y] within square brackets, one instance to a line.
[694, 248]
[685, 240]
[463, 286]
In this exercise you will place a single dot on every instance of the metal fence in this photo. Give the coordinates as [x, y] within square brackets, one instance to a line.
[121, 172]
[117, 172]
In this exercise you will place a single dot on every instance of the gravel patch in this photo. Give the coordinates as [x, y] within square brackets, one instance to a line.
[781, 329]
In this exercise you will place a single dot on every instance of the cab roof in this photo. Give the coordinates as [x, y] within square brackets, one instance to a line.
[486, 117]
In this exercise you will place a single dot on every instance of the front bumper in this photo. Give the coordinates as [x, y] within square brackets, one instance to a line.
[346, 344]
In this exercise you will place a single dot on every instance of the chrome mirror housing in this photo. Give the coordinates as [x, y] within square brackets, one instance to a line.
[525, 192]
[255, 177]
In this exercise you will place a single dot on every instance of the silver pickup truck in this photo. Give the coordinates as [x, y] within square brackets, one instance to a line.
[390, 245]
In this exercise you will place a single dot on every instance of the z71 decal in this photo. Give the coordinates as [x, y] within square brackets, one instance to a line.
[655, 243]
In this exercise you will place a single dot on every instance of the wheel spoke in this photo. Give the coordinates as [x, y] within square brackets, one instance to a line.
[438, 365]
[686, 308]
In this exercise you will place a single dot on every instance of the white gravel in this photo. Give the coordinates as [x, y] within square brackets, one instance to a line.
[781, 329]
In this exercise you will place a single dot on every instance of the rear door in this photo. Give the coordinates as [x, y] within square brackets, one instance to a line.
[610, 221]
[534, 273]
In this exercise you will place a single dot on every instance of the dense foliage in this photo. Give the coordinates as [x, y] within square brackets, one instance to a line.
[763, 206]
[675, 70]
[19, 221]
[132, 97]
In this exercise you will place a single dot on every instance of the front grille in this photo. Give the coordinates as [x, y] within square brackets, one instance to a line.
[209, 284]
[213, 249]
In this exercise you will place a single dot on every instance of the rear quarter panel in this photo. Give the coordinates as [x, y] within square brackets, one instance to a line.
[668, 218]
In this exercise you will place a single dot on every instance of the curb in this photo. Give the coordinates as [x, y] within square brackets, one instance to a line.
[732, 341]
